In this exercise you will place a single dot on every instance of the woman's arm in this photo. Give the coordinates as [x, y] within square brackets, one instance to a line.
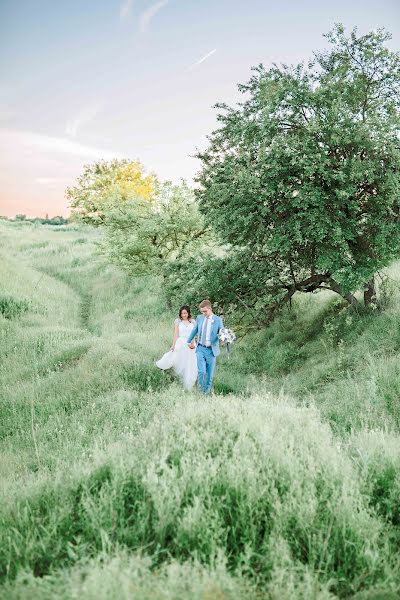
[176, 335]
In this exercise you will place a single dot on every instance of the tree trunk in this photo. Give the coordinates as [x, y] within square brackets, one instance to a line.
[370, 292]
[335, 287]
[308, 285]
[168, 301]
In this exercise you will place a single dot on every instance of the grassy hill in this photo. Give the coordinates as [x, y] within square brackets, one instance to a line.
[118, 484]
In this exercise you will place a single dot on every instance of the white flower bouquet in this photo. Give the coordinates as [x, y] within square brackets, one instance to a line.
[226, 337]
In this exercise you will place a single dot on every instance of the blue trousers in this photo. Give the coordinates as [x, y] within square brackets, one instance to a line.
[205, 366]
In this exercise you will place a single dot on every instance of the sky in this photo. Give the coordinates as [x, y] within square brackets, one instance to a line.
[138, 79]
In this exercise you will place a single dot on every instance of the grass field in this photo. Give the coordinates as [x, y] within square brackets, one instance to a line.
[118, 484]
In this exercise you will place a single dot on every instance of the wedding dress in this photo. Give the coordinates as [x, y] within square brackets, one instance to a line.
[182, 359]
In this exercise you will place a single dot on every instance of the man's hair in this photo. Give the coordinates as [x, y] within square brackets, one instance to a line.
[205, 304]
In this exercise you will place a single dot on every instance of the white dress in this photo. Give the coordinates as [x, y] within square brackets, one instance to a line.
[182, 359]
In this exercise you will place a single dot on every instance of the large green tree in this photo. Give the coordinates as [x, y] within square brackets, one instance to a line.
[301, 179]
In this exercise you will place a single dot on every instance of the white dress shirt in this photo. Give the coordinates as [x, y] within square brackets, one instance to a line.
[207, 323]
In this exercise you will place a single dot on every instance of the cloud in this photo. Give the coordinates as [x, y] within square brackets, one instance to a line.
[202, 59]
[125, 9]
[147, 15]
[86, 115]
[34, 142]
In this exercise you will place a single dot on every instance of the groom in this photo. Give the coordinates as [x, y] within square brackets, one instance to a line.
[207, 329]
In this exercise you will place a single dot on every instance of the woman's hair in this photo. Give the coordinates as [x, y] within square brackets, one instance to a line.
[187, 308]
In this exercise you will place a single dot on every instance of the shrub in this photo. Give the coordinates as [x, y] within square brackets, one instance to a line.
[11, 308]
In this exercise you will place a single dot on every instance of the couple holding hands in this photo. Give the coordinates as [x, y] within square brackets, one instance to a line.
[194, 361]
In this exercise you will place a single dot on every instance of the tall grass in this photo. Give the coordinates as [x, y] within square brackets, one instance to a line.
[119, 484]
[323, 351]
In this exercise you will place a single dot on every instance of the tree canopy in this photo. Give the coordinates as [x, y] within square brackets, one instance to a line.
[106, 182]
[142, 235]
[301, 178]
[146, 222]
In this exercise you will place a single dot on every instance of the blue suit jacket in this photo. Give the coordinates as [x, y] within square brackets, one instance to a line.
[216, 326]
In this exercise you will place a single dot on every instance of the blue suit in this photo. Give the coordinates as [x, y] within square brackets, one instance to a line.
[206, 356]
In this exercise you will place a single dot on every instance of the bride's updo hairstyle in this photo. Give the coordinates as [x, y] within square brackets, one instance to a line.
[187, 308]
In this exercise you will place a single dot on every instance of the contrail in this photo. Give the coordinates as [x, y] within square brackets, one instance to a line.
[202, 59]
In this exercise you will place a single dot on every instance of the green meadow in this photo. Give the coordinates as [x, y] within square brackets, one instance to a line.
[118, 484]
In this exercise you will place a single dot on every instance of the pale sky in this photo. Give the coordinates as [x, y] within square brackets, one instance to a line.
[83, 80]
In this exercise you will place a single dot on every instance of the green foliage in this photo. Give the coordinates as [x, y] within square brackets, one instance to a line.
[239, 287]
[11, 307]
[57, 220]
[142, 237]
[301, 180]
[104, 183]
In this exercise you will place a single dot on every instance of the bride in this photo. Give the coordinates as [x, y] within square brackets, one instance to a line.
[180, 356]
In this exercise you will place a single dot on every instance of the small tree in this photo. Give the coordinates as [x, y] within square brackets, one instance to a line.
[104, 182]
[142, 235]
[302, 178]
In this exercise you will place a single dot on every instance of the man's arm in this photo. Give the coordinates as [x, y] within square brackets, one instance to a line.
[220, 326]
[193, 333]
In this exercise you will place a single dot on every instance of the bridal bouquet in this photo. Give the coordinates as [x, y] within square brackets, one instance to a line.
[227, 337]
